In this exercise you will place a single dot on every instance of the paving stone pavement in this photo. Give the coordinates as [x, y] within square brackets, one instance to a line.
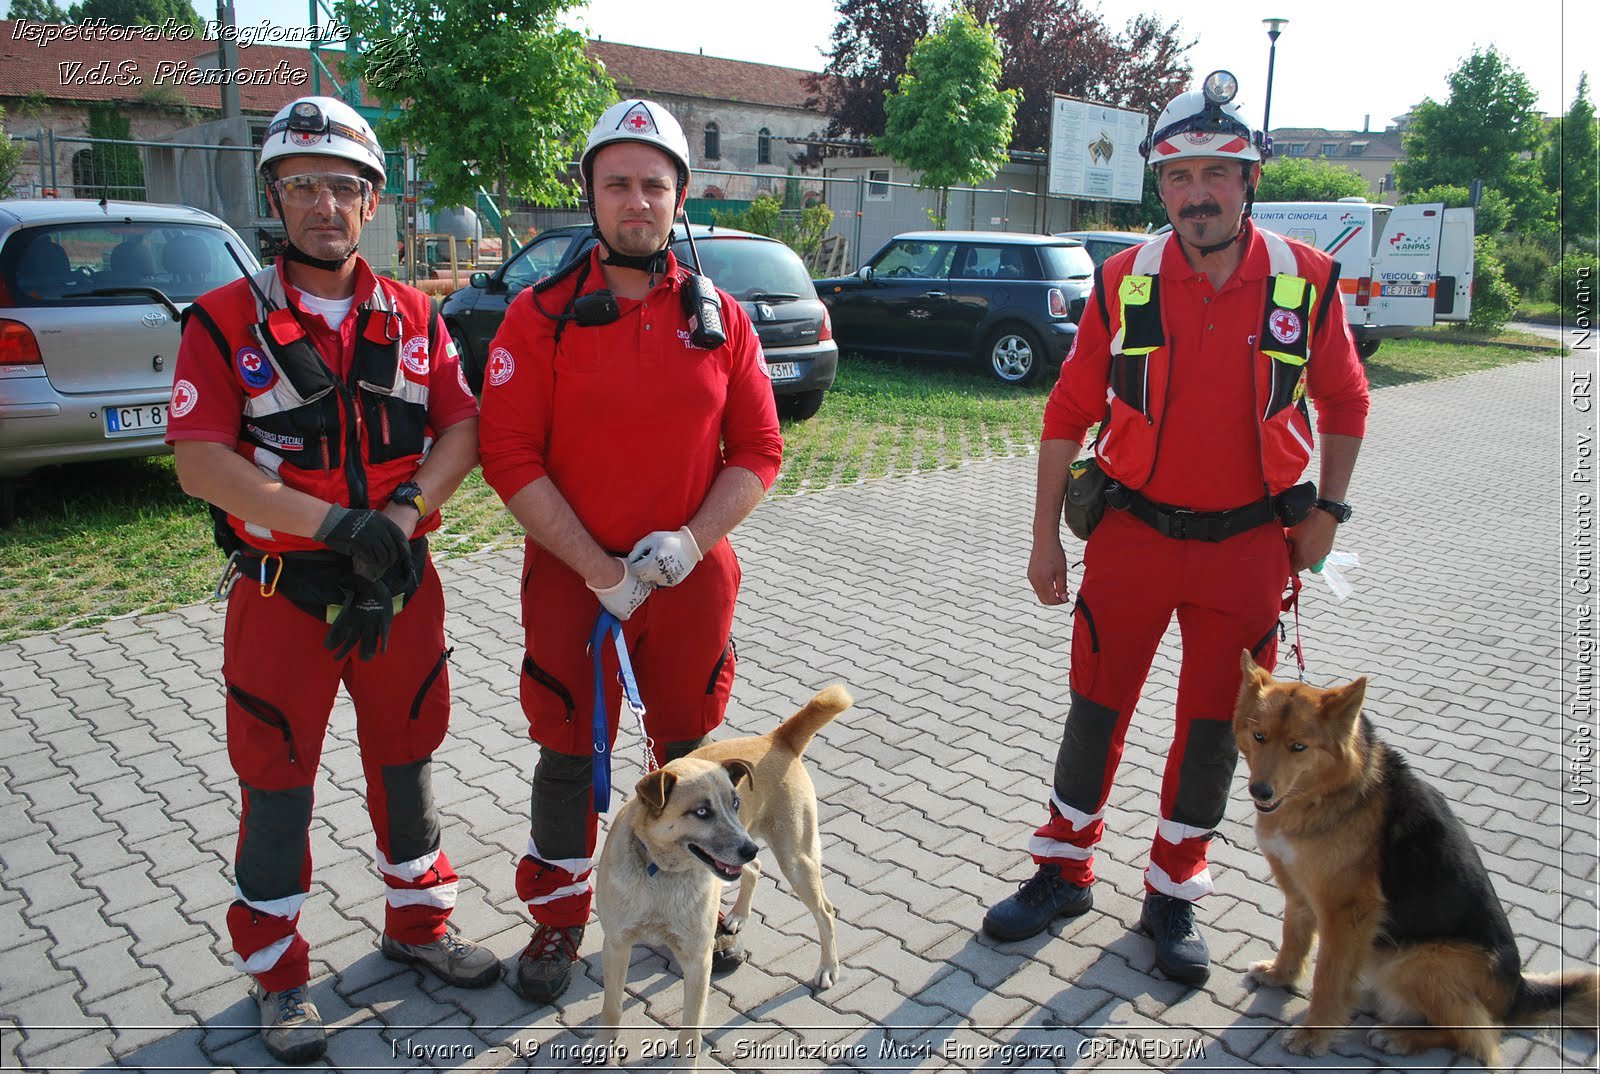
[118, 808]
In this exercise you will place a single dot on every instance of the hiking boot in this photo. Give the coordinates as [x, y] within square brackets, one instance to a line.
[1181, 951]
[544, 969]
[1041, 899]
[291, 1028]
[727, 950]
[449, 958]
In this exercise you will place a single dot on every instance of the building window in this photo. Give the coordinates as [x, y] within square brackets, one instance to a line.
[878, 184]
[763, 146]
[713, 143]
[1357, 148]
[712, 192]
[1297, 149]
[1330, 149]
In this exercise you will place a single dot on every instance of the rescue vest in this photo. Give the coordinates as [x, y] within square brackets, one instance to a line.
[351, 441]
[1129, 441]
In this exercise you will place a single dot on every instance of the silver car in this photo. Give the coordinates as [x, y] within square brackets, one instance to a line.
[90, 294]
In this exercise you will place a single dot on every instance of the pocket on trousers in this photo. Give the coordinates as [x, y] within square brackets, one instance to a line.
[1085, 648]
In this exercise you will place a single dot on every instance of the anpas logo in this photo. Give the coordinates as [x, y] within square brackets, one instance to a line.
[1402, 243]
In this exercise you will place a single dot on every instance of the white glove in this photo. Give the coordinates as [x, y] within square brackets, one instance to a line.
[664, 557]
[624, 598]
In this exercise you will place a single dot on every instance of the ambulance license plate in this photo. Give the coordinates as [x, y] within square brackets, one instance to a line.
[132, 420]
[784, 370]
[1406, 290]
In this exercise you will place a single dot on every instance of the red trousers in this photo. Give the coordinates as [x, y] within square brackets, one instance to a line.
[1227, 596]
[281, 684]
[681, 648]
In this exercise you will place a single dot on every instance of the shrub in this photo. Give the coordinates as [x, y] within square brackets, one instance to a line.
[1572, 282]
[1494, 300]
[802, 230]
[1527, 263]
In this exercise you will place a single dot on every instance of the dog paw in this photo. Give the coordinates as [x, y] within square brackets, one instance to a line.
[1386, 1039]
[1304, 1040]
[827, 976]
[731, 922]
[1266, 972]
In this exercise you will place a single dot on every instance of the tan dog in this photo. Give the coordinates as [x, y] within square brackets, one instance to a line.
[1371, 860]
[688, 828]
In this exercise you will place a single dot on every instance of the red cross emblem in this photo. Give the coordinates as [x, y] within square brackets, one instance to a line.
[639, 122]
[251, 362]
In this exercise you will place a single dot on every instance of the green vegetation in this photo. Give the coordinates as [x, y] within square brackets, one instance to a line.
[107, 539]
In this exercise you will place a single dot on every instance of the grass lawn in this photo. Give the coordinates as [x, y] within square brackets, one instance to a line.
[106, 539]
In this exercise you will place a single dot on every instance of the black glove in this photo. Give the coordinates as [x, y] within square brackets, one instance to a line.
[363, 620]
[370, 538]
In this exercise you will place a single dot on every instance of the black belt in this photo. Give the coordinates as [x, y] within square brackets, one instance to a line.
[1182, 524]
[315, 581]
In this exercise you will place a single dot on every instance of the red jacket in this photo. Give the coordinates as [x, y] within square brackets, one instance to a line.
[1208, 418]
[630, 420]
[344, 416]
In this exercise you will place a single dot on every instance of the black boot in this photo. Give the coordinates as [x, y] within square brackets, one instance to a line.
[1181, 951]
[1041, 899]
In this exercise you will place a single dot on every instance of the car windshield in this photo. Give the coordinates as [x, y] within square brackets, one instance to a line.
[749, 269]
[1066, 262]
[108, 263]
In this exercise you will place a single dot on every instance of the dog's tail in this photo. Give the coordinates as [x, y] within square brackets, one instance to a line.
[796, 732]
[1572, 997]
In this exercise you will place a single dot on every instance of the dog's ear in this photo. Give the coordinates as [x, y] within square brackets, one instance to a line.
[1255, 677]
[737, 769]
[655, 788]
[1342, 706]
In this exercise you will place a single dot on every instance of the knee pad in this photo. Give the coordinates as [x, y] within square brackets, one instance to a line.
[1206, 773]
[413, 824]
[1086, 742]
[561, 804]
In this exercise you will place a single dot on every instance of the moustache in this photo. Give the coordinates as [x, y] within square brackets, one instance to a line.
[1210, 208]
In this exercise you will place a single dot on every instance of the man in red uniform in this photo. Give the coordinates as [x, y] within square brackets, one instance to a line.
[321, 412]
[1195, 354]
[629, 444]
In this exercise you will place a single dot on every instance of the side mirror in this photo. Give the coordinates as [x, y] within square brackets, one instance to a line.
[865, 272]
[480, 280]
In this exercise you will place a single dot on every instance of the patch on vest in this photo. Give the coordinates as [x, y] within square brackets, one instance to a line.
[184, 397]
[276, 440]
[1285, 325]
[254, 369]
[501, 366]
[461, 379]
[414, 355]
[761, 362]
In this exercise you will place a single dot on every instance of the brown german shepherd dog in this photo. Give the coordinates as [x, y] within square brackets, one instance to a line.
[1371, 858]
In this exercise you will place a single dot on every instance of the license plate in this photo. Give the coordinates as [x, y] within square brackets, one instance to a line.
[1406, 290]
[784, 370]
[132, 420]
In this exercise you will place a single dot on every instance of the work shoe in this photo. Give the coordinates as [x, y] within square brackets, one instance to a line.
[449, 958]
[727, 949]
[1041, 899]
[544, 969]
[291, 1028]
[1181, 951]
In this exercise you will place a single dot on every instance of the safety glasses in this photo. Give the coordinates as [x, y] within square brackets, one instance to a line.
[305, 191]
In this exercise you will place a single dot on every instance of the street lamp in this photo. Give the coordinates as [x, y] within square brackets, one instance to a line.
[1274, 28]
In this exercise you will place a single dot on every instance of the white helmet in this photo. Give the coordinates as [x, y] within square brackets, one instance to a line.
[323, 127]
[638, 120]
[1205, 123]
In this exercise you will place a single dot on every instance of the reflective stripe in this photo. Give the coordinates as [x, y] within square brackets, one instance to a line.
[441, 895]
[575, 866]
[405, 870]
[1076, 817]
[561, 893]
[1195, 887]
[1173, 832]
[1286, 359]
[286, 907]
[1040, 847]
[268, 462]
[1280, 255]
[255, 530]
[1298, 438]
[264, 959]
[1147, 262]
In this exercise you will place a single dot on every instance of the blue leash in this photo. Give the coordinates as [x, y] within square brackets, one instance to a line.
[604, 624]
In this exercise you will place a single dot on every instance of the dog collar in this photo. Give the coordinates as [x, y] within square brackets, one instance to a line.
[650, 867]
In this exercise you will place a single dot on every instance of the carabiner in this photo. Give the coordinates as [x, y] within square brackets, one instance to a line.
[230, 578]
[269, 588]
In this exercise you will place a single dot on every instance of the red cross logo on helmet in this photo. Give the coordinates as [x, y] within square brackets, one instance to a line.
[639, 122]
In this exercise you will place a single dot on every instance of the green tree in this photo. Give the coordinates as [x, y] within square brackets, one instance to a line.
[115, 171]
[495, 94]
[37, 11]
[802, 230]
[1309, 179]
[1492, 216]
[1568, 164]
[136, 12]
[10, 157]
[1487, 130]
[947, 116]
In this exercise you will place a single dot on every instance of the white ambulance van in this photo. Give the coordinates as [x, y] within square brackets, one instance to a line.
[1400, 267]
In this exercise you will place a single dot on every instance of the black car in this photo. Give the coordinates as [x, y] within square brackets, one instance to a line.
[1011, 301]
[765, 276]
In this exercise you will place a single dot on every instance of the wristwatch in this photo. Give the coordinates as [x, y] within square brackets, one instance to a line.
[1340, 511]
[410, 494]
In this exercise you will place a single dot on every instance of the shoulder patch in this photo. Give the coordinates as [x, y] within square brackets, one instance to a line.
[184, 398]
[500, 368]
[255, 371]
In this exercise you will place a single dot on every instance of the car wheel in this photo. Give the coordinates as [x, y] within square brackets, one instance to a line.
[469, 368]
[1366, 348]
[1013, 354]
[801, 405]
